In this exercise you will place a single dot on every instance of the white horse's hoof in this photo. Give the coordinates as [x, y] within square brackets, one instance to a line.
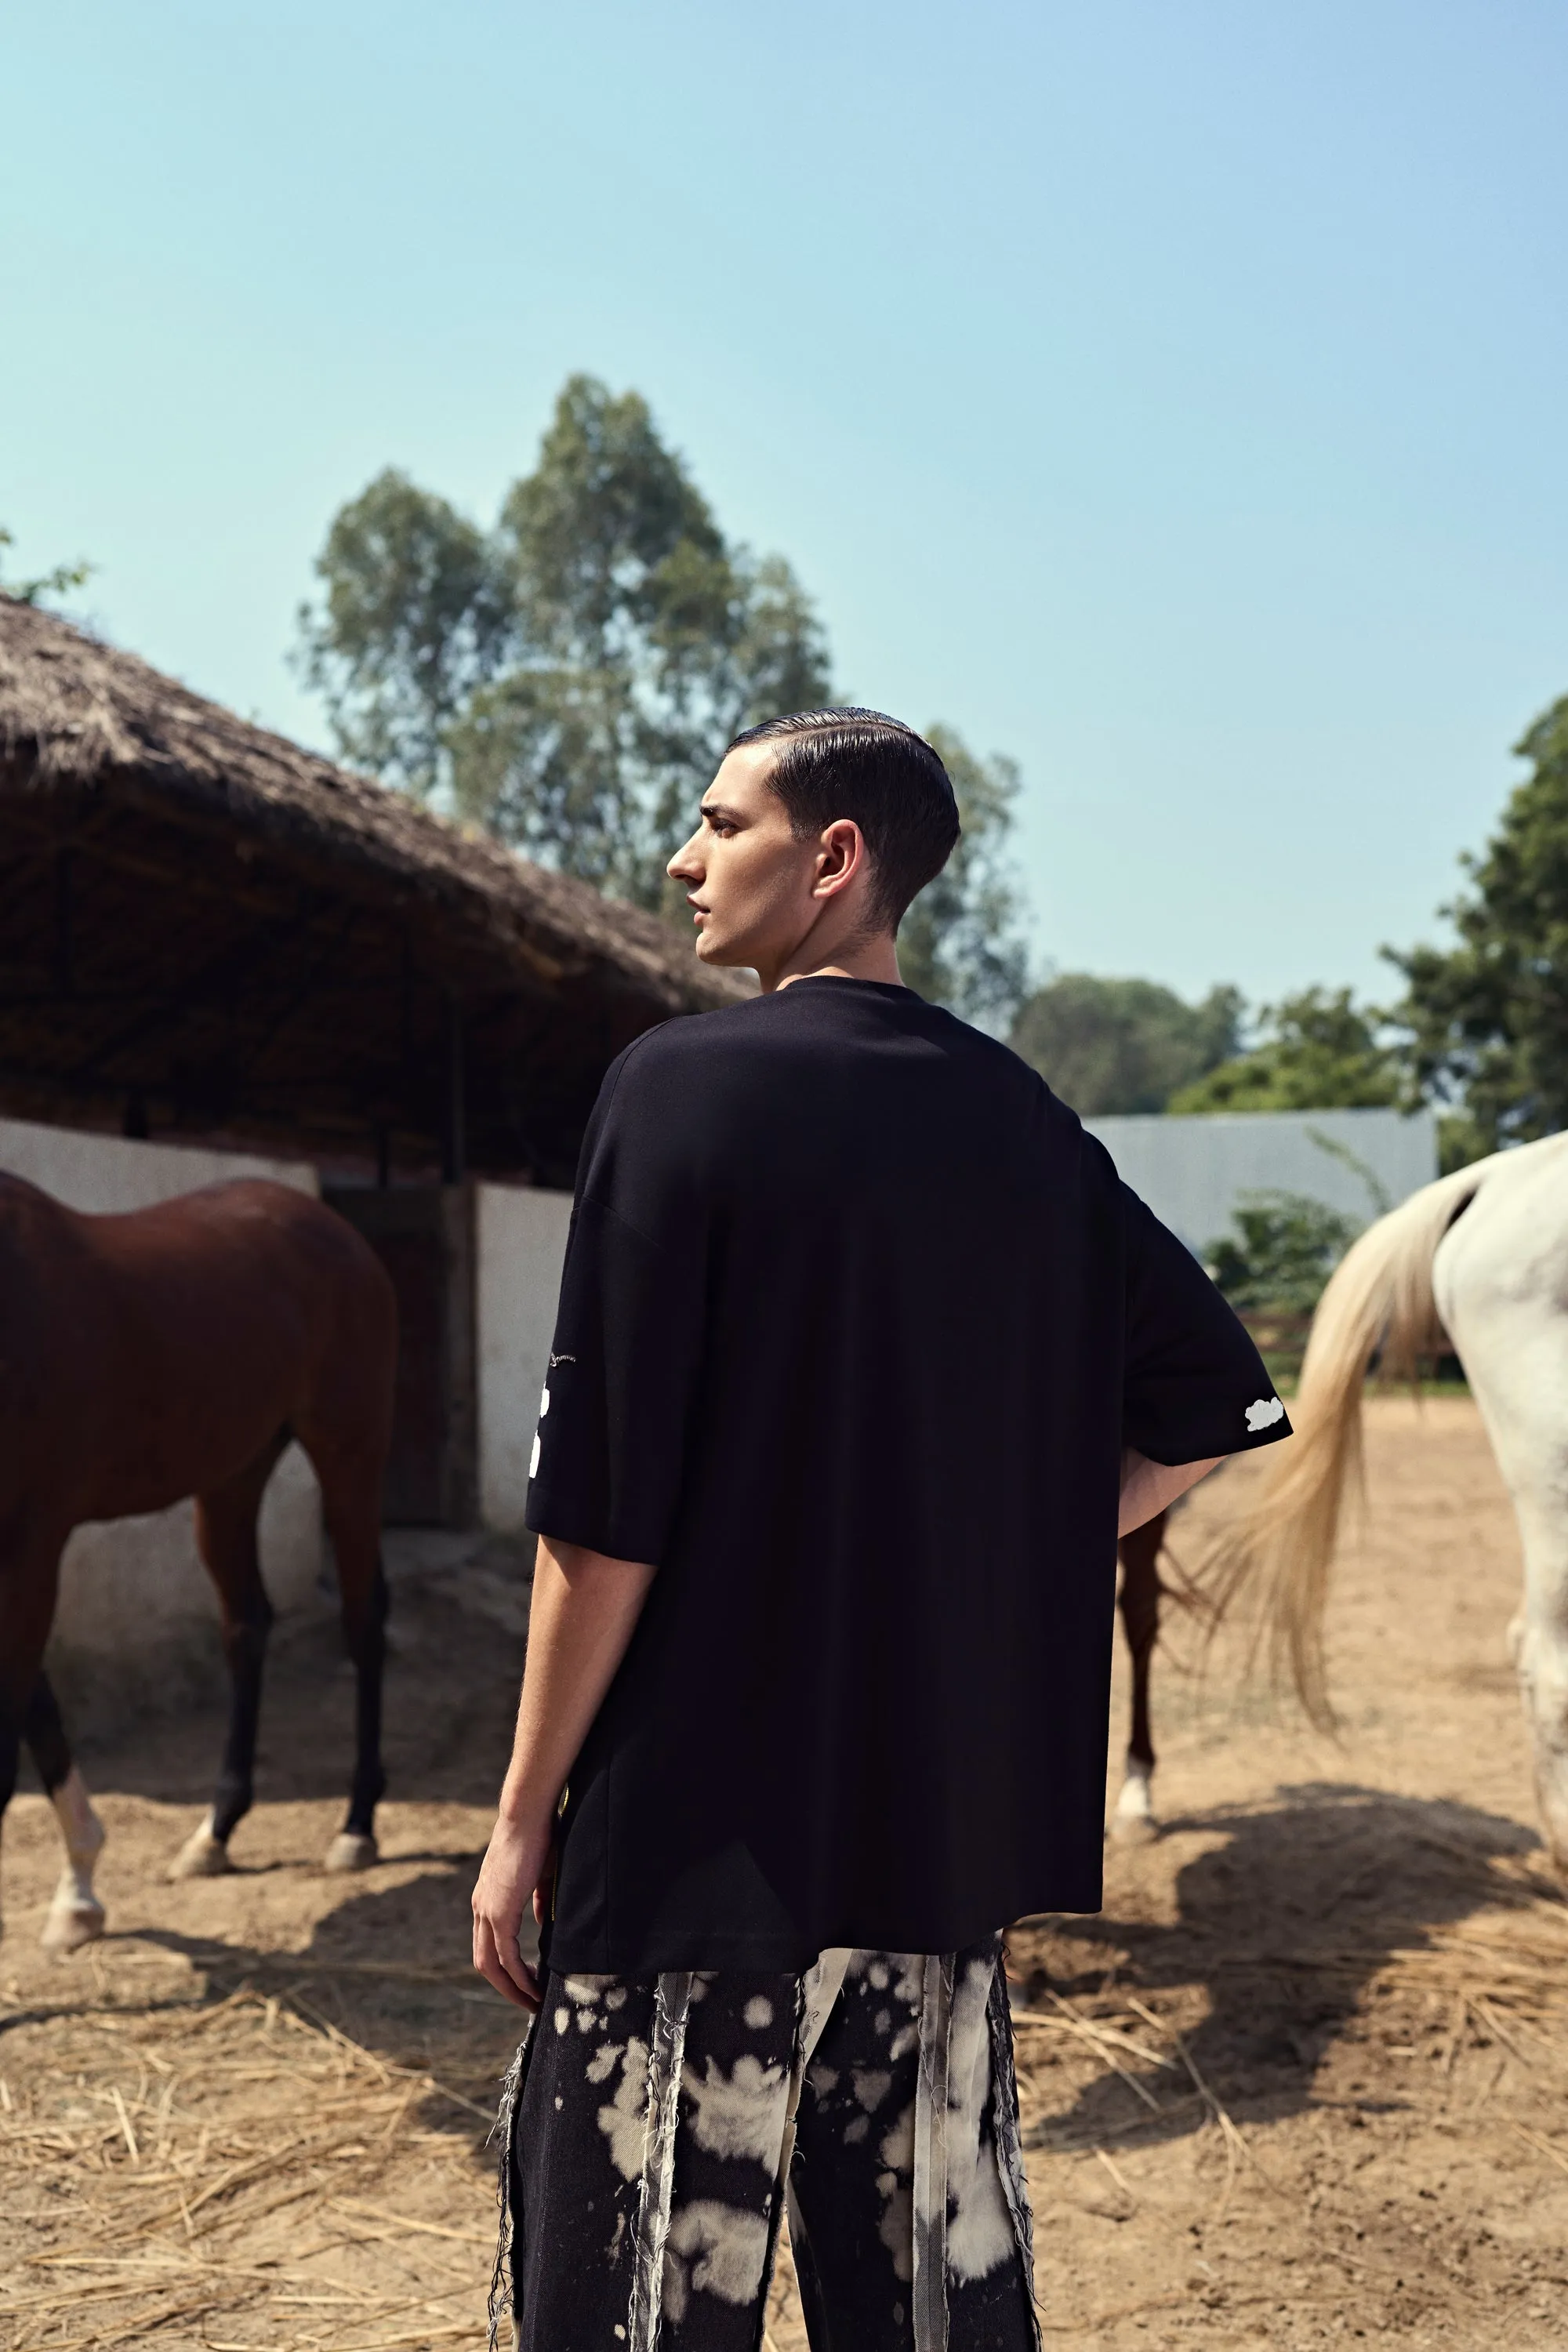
[351, 1850]
[202, 1855]
[71, 1925]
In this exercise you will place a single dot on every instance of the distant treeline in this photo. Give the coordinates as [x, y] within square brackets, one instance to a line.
[1111, 1045]
[568, 679]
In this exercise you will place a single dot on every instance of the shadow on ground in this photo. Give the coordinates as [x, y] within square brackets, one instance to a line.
[389, 1969]
[1282, 1923]
[456, 1639]
[388, 1963]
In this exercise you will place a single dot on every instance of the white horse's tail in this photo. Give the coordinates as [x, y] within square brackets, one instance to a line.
[1278, 1551]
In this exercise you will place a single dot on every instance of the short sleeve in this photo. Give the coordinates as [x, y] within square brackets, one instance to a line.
[615, 1416]
[1194, 1384]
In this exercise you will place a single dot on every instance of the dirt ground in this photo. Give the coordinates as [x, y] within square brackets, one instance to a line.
[1303, 2081]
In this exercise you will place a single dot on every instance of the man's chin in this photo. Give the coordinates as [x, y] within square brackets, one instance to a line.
[730, 952]
[711, 947]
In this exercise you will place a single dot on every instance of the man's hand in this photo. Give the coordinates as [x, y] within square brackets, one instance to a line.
[518, 1868]
[584, 1609]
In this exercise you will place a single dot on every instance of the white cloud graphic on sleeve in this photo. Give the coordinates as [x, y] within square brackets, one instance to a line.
[543, 1408]
[1265, 1412]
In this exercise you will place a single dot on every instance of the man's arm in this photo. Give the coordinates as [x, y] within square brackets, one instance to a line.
[583, 1612]
[1149, 1487]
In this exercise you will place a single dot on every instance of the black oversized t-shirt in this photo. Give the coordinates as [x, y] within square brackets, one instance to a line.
[855, 1322]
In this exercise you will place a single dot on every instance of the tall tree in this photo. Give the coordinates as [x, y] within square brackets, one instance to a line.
[1111, 1045]
[1318, 1052]
[1488, 1019]
[416, 613]
[959, 944]
[570, 678]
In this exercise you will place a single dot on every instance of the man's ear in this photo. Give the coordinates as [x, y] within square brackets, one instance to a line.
[841, 856]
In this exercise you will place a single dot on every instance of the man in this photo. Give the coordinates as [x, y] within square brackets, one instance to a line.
[862, 1351]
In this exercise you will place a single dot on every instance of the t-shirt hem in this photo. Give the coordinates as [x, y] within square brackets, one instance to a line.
[611, 1542]
[700, 1949]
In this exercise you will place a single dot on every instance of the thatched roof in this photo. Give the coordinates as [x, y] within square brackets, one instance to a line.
[211, 930]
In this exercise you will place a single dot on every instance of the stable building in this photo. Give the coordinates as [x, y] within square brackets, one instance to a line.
[217, 943]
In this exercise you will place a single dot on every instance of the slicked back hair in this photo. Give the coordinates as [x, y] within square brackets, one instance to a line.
[863, 765]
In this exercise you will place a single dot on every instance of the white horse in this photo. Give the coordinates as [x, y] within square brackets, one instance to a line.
[1481, 1256]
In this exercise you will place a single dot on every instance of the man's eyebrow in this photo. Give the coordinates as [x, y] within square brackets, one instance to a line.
[718, 809]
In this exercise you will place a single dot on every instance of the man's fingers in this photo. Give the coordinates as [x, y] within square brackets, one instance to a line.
[500, 1902]
[515, 1982]
[495, 1972]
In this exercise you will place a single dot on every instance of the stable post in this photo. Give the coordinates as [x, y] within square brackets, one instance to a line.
[454, 1137]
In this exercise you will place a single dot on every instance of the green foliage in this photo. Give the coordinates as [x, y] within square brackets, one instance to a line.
[1284, 1247]
[417, 615]
[1488, 1018]
[1461, 1141]
[959, 944]
[57, 583]
[1319, 1052]
[1109, 1045]
[570, 680]
[1377, 1192]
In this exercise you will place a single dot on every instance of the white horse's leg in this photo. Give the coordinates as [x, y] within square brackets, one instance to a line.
[1501, 1280]
[1539, 1638]
[1132, 1821]
[1540, 1659]
[75, 1914]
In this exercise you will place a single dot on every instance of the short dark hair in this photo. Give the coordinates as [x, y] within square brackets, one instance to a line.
[863, 765]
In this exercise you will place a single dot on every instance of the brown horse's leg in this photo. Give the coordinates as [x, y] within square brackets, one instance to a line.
[345, 1427]
[350, 1504]
[1133, 1818]
[29, 1581]
[226, 1537]
[76, 1916]
[45, 1734]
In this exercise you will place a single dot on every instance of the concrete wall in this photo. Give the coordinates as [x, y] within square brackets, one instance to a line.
[134, 1598]
[1192, 1170]
[519, 1242]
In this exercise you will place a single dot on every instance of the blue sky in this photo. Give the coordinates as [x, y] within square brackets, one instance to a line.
[1172, 396]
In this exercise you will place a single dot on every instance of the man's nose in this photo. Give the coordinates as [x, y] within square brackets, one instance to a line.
[685, 867]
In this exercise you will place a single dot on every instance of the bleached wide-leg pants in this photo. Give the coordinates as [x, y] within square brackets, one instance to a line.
[655, 2127]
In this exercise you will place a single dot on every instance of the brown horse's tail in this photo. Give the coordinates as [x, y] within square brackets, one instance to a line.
[1278, 1551]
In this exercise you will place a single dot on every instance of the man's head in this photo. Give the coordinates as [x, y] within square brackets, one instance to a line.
[815, 834]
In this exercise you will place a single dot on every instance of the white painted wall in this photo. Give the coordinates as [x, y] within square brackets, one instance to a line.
[1192, 1170]
[105, 1174]
[132, 1591]
[520, 1244]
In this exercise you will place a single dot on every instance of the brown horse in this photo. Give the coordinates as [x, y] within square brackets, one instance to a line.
[170, 1352]
[1142, 1588]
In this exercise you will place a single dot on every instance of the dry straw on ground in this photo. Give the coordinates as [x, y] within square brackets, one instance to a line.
[219, 2168]
[1301, 2085]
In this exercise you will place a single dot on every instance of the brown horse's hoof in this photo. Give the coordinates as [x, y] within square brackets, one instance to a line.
[349, 1849]
[71, 1925]
[1133, 1829]
[202, 1855]
[1132, 1821]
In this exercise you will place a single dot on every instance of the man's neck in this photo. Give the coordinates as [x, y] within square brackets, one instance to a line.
[877, 958]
